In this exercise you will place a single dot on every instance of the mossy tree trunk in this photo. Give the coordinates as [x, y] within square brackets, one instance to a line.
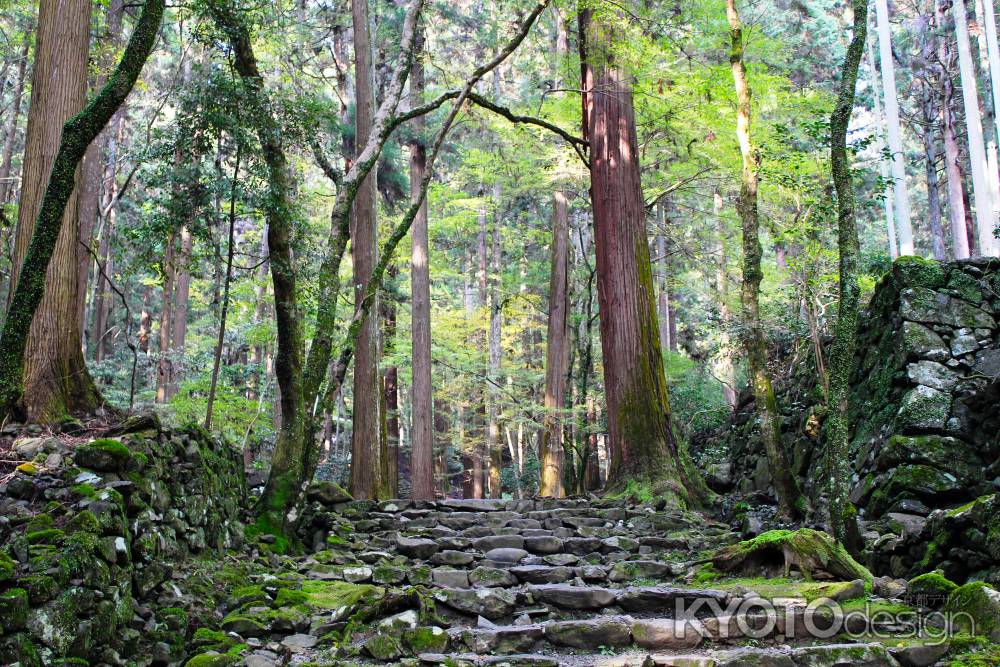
[289, 461]
[838, 460]
[643, 445]
[50, 374]
[789, 497]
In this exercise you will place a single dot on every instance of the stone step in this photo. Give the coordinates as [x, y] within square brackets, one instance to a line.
[829, 655]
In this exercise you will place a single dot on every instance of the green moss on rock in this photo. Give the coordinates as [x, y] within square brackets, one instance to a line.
[975, 607]
[7, 567]
[430, 639]
[919, 272]
[103, 455]
[47, 536]
[13, 609]
[810, 551]
[930, 590]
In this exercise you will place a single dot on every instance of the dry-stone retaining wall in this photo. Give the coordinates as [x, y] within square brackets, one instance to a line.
[88, 528]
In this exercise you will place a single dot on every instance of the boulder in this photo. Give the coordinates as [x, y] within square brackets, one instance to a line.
[416, 547]
[491, 603]
[665, 633]
[573, 597]
[590, 634]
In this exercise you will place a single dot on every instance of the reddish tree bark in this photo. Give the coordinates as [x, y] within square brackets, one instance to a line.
[642, 441]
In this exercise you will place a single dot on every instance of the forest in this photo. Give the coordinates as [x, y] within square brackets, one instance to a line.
[499, 332]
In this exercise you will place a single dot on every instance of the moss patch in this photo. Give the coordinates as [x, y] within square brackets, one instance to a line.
[808, 550]
[975, 607]
[337, 594]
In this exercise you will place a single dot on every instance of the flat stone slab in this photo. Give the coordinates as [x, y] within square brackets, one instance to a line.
[573, 597]
[591, 633]
[542, 574]
[473, 504]
[662, 598]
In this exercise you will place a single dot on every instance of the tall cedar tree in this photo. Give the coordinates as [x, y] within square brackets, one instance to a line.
[369, 452]
[63, 383]
[838, 459]
[644, 447]
[789, 497]
[422, 457]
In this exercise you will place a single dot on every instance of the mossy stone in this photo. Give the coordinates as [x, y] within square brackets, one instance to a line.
[930, 590]
[41, 588]
[47, 536]
[810, 551]
[383, 647]
[212, 659]
[919, 272]
[13, 609]
[428, 639]
[975, 607]
[7, 566]
[103, 455]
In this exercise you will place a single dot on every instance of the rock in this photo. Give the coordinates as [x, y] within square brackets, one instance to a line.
[357, 575]
[543, 545]
[719, 476]
[382, 647]
[542, 574]
[502, 640]
[498, 542]
[244, 626]
[416, 547]
[628, 570]
[581, 546]
[13, 609]
[923, 342]
[923, 409]
[22, 487]
[559, 560]
[298, 643]
[450, 557]
[665, 633]
[963, 344]
[932, 374]
[975, 608]
[450, 578]
[327, 493]
[400, 621]
[919, 655]
[387, 574]
[590, 634]
[889, 588]
[506, 555]
[906, 524]
[573, 597]
[838, 655]
[619, 543]
[988, 363]
[491, 603]
[261, 659]
[656, 598]
[431, 639]
[491, 576]
[28, 448]
[472, 505]
[102, 455]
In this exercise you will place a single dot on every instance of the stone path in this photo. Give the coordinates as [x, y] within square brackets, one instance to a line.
[533, 582]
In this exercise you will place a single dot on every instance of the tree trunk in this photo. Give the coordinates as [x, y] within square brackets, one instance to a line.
[957, 212]
[182, 292]
[224, 308]
[888, 195]
[390, 390]
[974, 126]
[92, 171]
[369, 458]
[663, 275]
[163, 367]
[904, 231]
[790, 499]
[644, 447]
[10, 133]
[102, 297]
[838, 457]
[725, 368]
[289, 462]
[930, 165]
[422, 453]
[56, 381]
[494, 446]
[556, 350]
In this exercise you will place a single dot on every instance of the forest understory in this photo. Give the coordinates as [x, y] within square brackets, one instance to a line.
[507, 332]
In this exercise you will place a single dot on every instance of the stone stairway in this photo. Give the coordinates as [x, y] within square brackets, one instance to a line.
[545, 582]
